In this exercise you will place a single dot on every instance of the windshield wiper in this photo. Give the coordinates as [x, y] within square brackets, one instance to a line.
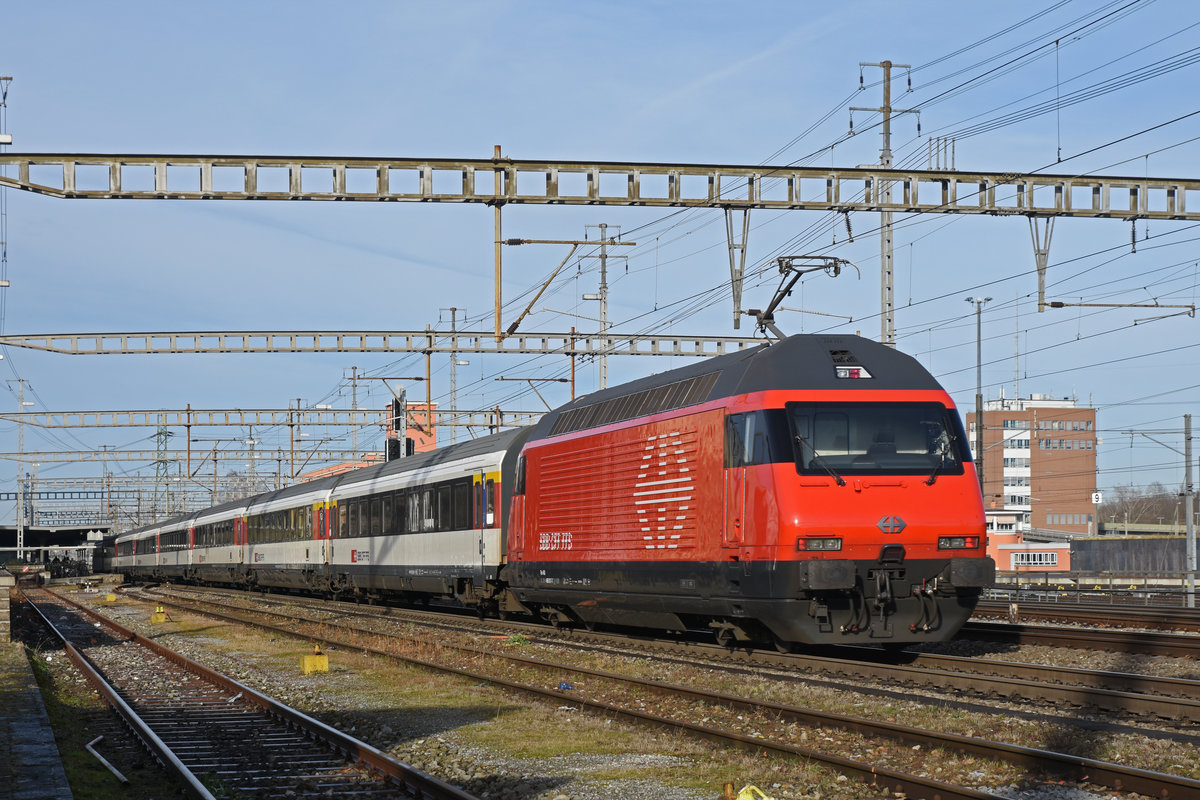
[943, 451]
[936, 469]
[816, 459]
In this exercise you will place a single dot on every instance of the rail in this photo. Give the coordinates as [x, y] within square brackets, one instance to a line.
[1131, 779]
[412, 782]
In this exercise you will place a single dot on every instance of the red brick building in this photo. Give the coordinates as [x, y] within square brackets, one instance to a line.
[1039, 470]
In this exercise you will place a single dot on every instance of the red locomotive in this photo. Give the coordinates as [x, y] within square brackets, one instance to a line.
[815, 490]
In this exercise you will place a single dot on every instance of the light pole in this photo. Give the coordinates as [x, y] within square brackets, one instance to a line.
[1189, 522]
[979, 301]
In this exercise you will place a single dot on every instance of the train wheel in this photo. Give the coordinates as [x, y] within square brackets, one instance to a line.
[783, 646]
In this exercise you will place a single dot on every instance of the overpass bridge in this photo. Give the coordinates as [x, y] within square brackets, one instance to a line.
[43, 544]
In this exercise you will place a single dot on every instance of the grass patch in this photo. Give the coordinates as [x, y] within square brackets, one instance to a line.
[540, 731]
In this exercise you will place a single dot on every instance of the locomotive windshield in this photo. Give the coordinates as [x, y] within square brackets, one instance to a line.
[877, 439]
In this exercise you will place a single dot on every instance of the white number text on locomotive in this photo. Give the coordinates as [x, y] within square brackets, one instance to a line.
[558, 540]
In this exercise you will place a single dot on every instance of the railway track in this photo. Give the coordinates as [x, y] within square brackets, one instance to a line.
[217, 736]
[681, 704]
[1094, 614]
[1144, 643]
[1163, 697]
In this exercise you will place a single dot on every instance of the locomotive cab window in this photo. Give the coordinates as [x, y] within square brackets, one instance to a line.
[757, 437]
[877, 439]
[519, 487]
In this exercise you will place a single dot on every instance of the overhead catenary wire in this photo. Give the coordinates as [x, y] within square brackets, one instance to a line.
[1125, 7]
[683, 310]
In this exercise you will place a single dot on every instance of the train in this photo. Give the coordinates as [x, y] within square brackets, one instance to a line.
[818, 489]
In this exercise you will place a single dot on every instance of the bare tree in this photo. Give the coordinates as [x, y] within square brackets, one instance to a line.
[1153, 504]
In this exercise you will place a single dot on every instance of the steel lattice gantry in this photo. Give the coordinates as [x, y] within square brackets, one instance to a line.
[493, 419]
[114, 485]
[197, 177]
[260, 455]
[63, 494]
[565, 344]
[500, 181]
[307, 417]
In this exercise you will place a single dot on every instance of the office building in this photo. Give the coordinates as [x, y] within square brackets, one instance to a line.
[1039, 464]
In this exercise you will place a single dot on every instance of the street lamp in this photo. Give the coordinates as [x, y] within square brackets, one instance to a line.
[979, 301]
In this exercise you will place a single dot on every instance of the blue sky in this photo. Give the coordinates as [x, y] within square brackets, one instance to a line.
[702, 82]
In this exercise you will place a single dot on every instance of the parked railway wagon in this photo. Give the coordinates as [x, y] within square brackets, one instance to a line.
[818, 489]
[156, 552]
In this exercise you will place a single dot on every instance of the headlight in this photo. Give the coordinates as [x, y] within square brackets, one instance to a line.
[958, 542]
[811, 545]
